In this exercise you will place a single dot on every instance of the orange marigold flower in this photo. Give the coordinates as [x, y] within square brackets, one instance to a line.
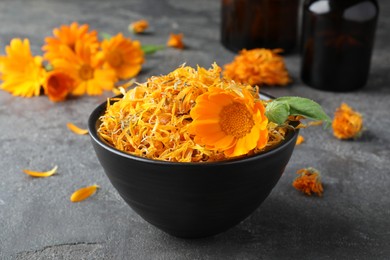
[68, 35]
[85, 68]
[258, 67]
[139, 26]
[347, 123]
[22, 74]
[176, 41]
[228, 122]
[123, 55]
[308, 181]
[58, 85]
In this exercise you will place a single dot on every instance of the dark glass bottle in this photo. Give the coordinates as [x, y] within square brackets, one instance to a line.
[337, 42]
[253, 24]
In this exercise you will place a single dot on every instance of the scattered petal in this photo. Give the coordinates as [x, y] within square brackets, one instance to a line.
[83, 193]
[41, 174]
[300, 140]
[176, 41]
[315, 123]
[308, 181]
[76, 129]
[139, 26]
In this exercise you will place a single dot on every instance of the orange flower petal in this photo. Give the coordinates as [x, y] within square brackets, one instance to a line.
[175, 41]
[41, 174]
[139, 26]
[76, 129]
[300, 140]
[83, 193]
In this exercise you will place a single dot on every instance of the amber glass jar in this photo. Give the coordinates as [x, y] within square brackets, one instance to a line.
[337, 42]
[253, 24]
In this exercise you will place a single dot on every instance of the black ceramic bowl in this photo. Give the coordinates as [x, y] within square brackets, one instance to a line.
[191, 199]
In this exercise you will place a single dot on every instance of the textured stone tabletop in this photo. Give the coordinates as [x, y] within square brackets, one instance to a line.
[37, 220]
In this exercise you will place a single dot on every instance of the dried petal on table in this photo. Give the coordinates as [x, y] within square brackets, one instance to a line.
[300, 140]
[83, 193]
[77, 130]
[41, 174]
[176, 41]
[139, 26]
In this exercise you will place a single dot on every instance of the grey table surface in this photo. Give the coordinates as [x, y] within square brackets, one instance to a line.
[37, 220]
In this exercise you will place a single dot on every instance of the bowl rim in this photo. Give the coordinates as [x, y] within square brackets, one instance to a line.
[100, 109]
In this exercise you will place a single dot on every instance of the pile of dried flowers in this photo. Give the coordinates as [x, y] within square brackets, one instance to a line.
[195, 115]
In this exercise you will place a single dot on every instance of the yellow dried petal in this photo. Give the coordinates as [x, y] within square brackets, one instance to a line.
[41, 174]
[315, 123]
[300, 140]
[76, 129]
[83, 193]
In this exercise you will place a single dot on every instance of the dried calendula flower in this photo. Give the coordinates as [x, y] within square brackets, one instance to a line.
[139, 26]
[41, 174]
[83, 193]
[308, 181]
[77, 130]
[176, 41]
[347, 123]
[258, 67]
[300, 140]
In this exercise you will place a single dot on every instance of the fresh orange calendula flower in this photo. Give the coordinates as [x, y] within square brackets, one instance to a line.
[139, 26]
[77, 130]
[58, 85]
[347, 123]
[69, 35]
[85, 67]
[228, 122]
[41, 174]
[176, 41]
[123, 55]
[83, 193]
[258, 67]
[300, 140]
[308, 181]
[22, 74]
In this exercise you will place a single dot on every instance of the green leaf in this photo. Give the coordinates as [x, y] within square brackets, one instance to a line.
[297, 106]
[105, 36]
[150, 49]
[277, 112]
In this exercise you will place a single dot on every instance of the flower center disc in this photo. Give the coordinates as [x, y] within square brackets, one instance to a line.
[236, 120]
[86, 72]
[114, 58]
